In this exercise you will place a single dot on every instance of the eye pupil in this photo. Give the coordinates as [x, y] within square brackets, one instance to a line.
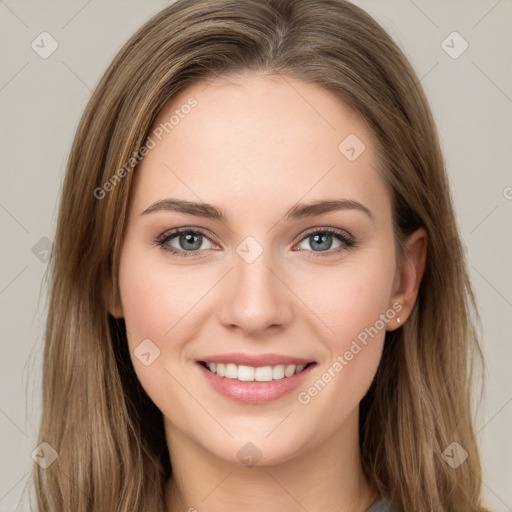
[187, 238]
[321, 241]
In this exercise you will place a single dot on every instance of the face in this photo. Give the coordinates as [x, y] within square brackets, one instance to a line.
[256, 279]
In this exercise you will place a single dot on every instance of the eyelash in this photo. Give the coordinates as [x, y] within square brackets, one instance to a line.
[347, 241]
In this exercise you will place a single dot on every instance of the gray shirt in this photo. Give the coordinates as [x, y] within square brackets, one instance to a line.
[381, 506]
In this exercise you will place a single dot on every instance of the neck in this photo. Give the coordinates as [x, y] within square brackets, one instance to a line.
[326, 477]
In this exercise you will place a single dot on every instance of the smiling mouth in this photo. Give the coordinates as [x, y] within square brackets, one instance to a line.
[250, 373]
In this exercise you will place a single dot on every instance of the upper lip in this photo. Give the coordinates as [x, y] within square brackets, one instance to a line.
[255, 360]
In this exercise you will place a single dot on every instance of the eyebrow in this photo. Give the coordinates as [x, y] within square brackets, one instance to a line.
[297, 211]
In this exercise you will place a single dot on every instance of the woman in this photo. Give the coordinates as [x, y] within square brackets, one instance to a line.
[259, 298]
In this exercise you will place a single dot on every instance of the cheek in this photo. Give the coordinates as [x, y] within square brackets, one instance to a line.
[350, 298]
[156, 298]
[354, 303]
[361, 298]
[158, 303]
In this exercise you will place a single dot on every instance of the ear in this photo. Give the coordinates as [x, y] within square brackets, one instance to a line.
[112, 299]
[408, 278]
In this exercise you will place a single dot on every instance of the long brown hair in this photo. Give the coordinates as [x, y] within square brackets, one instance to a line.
[109, 436]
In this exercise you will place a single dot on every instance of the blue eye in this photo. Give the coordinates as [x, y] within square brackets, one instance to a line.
[322, 239]
[190, 241]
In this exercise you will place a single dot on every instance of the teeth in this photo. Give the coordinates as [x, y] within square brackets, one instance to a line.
[259, 374]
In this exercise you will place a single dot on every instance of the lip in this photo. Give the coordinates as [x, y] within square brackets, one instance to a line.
[255, 393]
[256, 360]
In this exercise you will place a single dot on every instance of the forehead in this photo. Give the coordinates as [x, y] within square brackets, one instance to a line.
[253, 142]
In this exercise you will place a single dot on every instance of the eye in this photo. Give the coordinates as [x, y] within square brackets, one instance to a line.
[188, 241]
[321, 241]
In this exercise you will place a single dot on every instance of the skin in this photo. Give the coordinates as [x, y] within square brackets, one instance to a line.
[254, 146]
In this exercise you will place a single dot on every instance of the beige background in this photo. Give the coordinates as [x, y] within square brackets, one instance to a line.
[41, 101]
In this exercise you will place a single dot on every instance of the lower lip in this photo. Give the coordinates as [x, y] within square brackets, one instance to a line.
[255, 392]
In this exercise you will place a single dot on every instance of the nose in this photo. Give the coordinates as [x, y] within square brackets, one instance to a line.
[254, 297]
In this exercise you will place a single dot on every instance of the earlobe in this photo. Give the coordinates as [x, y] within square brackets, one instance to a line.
[112, 300]
[116, 311]
[408, 278]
